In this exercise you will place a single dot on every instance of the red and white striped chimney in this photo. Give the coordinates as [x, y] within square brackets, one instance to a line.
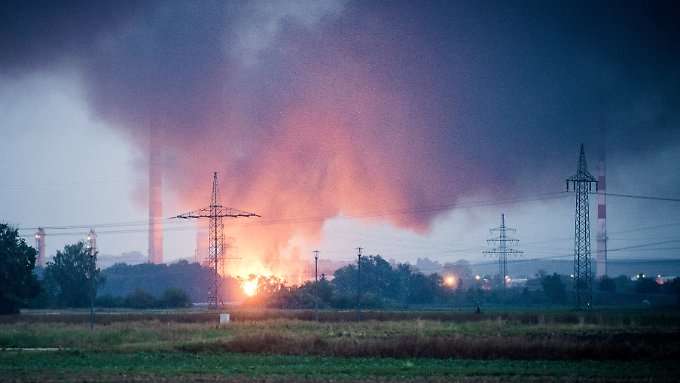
[601, 251]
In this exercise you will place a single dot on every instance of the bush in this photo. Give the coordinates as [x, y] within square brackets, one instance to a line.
[109, 300]
[607, 285]
[554, 288]
[175, 298]
[140, 299]
[646, 286]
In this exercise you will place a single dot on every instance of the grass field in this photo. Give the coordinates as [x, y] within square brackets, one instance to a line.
[264, 346]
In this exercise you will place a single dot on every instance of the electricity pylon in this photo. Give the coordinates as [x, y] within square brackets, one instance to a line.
[582, 183]
[215, 213]
[502, 246]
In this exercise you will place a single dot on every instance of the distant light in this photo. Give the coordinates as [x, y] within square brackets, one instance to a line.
[450, 281]
[571, 275]
[477, 277]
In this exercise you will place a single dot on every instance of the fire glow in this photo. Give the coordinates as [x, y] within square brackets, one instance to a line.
[319, 141]
[249, 287]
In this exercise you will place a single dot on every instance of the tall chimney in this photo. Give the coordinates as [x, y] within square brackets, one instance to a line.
[40, 245]
[155, 200]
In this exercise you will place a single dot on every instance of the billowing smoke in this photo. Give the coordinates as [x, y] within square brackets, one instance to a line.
[326, 108]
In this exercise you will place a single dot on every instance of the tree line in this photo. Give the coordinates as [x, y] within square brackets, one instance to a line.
[68, 279]
[401, 286]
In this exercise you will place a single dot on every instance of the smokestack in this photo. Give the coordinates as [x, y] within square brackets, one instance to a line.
[601, 255]
[92, 240]
[155, 200]
[40, 245]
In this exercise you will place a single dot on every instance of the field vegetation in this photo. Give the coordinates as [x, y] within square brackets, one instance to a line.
[391, 345]
[482, 333]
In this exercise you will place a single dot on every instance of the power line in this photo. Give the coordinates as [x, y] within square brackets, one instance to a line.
[654, 249]
[636, 196]
[374, 214]
[646, 245]
[645, 228]
[101, 225]
[119, 231]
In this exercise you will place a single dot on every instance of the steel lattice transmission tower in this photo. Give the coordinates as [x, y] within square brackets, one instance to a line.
[581, 183]
[215, 213]
[502, 246]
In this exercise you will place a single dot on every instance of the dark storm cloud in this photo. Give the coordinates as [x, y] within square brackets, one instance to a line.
[37, 34]
[339, 105]
[549, 71]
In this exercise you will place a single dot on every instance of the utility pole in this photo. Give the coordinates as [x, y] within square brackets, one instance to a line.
[359, 283]
[92, 269]
[582, 183]
[502, 246]
[316, 285]
[215, 212]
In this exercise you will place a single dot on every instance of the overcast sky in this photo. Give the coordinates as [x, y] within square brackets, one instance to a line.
[332, 109]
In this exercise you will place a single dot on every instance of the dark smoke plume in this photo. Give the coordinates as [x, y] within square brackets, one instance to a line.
[333, 107]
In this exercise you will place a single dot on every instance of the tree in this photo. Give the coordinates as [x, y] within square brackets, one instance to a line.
[422, 288]
[673, 287]
[109, 300]
[140, 299]
[325, 291]
[646, 285]
[461, 269]
[123, 279]
[67, 276]
[554, 288]
[17, 261]
[346, 278]
[623, 283]
[607, 284]
[174, 297]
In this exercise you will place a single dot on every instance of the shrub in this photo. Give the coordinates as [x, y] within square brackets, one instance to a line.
[140, 299]
[174, 298]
